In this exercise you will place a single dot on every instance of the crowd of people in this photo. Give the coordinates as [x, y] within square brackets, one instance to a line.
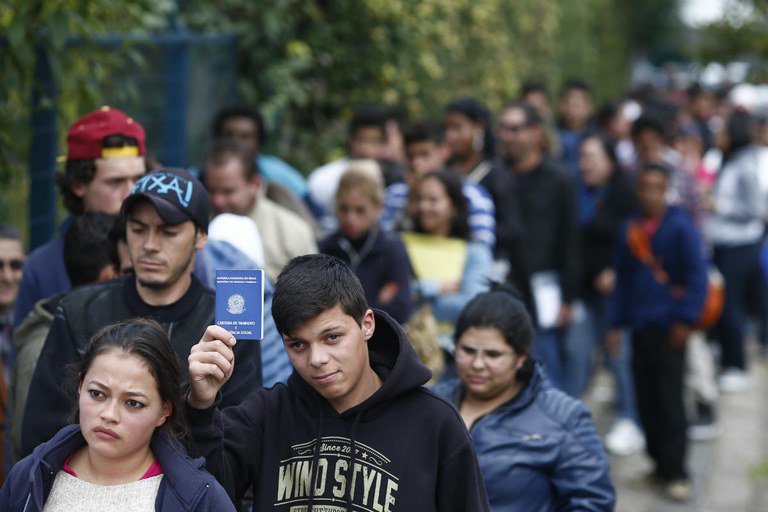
[499, 259]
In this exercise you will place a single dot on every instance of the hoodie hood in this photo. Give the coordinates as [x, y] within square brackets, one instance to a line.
[392, 358]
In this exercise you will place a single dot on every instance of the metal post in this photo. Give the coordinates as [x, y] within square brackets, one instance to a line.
[42, 154]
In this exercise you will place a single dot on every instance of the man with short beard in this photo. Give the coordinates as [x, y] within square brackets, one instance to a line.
[167, 221]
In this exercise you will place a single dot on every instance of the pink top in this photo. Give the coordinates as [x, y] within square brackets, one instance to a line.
[153, 470]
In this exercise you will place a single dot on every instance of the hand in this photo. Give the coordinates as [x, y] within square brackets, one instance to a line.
[450, 287]
[613, 342]
[211, 363]
[605, 281]
[387, 293]
[678, 335]
[563, 315]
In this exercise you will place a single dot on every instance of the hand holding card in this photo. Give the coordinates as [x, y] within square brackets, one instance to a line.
[211, 363]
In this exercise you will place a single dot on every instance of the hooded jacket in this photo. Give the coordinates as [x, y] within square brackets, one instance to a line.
[86, 310]
[539, 451]
[185, 485]
[402, 449]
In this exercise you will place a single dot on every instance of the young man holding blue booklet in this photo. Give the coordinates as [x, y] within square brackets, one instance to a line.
[353, 429]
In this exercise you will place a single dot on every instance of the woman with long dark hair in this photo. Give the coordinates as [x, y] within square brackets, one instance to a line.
[124, 453]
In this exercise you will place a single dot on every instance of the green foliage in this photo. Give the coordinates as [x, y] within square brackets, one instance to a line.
[741, 33]
[308, 63]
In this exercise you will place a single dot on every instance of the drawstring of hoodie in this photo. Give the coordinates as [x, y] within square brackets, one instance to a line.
[315, 458]
[351, 468]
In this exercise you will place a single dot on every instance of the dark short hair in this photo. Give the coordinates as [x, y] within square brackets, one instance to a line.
[739, 127]
[501, 309]
[532, 116]
[368, 116]
[476, 112]
[607, 112]
[576, 84]
[452, 183]
[116, 234]
[146, 339]
[422, 131]
[312, 284]
[533, 86]
[225, 150]
[83, 171]
[648, 123]
[87, 248]
[9, 232]
[234, 111]
[662, 169]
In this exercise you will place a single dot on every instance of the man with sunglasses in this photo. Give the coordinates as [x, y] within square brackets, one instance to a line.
[11, 268]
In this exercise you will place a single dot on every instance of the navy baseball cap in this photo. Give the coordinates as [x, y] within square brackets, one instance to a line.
[176, 194]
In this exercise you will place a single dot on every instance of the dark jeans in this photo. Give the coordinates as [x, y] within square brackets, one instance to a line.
[740, 266]
[659, 372]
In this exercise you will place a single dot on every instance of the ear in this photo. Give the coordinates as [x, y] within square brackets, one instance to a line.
[167, 410]
[201, 238]
[520, 362]
[368, 325]
[255, 183]
[78, 188]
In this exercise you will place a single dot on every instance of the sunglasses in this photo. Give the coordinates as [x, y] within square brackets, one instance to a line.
[12, 264]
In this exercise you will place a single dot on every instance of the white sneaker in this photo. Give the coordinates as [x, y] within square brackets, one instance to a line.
[734, 380]
[625, 438]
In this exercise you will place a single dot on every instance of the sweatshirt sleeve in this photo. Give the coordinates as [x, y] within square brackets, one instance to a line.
[688, 307]
[230, 440]
[460, 485]
[48, 404]
[398, 274]
[581, 478]
[619, 305]
[569, 251]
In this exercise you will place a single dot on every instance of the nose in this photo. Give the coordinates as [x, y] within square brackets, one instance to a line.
[151, 240]
[109, 412]
[317, 356]
[478, 361]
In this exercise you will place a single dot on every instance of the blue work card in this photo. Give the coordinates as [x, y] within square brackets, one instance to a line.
[240, 302]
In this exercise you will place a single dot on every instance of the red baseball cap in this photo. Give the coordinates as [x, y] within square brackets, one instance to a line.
[86, 135]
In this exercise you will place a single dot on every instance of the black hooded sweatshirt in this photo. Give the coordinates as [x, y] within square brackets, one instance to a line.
[402, 449]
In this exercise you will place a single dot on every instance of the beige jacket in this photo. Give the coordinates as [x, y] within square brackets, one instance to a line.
[284, 234]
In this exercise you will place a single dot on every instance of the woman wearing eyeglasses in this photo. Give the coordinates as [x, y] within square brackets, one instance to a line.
[536, 446]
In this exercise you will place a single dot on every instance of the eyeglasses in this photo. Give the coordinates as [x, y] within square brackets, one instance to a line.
[13, 264]
[512, 128]
[490, 356]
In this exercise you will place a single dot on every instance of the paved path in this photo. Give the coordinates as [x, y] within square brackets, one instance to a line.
[724, 470]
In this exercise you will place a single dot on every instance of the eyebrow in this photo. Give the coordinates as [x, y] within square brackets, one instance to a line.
[129, 393]
[288, 338]
[160, 226]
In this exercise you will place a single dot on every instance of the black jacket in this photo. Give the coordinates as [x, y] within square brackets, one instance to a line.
[598, 235]
[546, 197]
[402, 449]
[86, 310]
[185, 486]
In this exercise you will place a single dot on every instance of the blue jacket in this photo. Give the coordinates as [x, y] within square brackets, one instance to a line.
[185, 486]
[539, 451]
[640, 301]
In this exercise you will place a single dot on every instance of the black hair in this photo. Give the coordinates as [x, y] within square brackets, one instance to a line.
[739, 129]
[369, 116]
[146, 339]
[607, 112]
[83, 171]
[533, 86]
[115, 236]
[476, 112]
[655, 167]
[223, 151]
[501, 309]
[532, 116]
[231, 112]
[312, 284]
[422, 131]
[607, 144]
[576, 84]
[87, 248]
[648, 123]
[452, 183]
[9, 232]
